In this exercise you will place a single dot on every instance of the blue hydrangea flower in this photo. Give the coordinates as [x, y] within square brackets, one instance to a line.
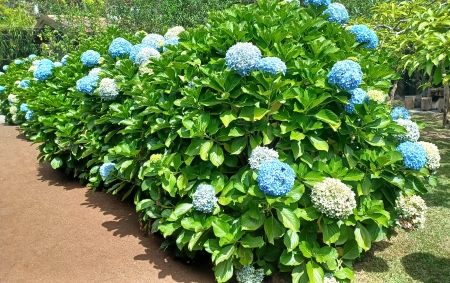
[414, 155]
[145, 54]
[43, 71]
[346, 74]
[24, 84]
[358, 96]
[58, 64]
[95, 72]
[119, 47]
[24, 107]
[170, 41]
[29, 115]
[400, 112]
[64, 59]
[275, 178]
[272, 65]
[106, 169]
[18, 62]
[153, 40]
[204, 199]
[90, 58]
[2, 88]
[365, 35]
[32, 56]
[318, 2]
[5, 68]
[135, 49]
[248, 274]
[337, 13]
[243, 58]
[87, 84]
[45, 62]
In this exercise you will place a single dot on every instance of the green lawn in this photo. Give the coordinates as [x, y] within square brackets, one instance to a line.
[424, 255]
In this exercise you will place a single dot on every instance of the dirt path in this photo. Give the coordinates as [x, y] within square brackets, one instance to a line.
[54, 230]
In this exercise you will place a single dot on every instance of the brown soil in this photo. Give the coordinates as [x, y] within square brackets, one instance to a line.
[52, 229]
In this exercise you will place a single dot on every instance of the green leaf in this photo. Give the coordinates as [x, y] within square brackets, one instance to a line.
[351, 250]
[224, 271]
[225, 253]
[289, 219]
[204, 150]
[353, 175]
[291, 240]
[330, 231]
[318, 143]
[273, 229]
[344, 273]
[238, 145]
[221, 228]
[216, 155]
[227, 117]
[181, 209]
[250, 223]
[362, 237]
[292, 258]
[329, 117]
[252, 242]
[143, 204]
[170, 185]
[396, 180]
[325, 254]
[306, 249]
[299, 274]
[315, 272]
[56, 162]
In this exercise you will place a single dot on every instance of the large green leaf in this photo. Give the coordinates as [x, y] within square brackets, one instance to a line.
[318, 143]
[224, 271]
[216, 155]
[273, 229]
[362, 237]
[329, 117]
[330, 231]
[351, 250]
[289, 219]
[315, 272]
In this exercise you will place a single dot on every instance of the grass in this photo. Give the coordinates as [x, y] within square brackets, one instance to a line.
[424, 255]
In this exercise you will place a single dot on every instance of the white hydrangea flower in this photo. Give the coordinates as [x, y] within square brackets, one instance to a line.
[433, 156]
[13, 110]
[32, 68]
[329, 278]
[145, 54]
[108, 89]
[377, 96]
[173, 32]
[17, 82]
[12, 98]
[36, 62]
[248, 274]
[118, 64]
[14, 117]
[333, 198]
[410, 212]
[412, 130]
[143, 69]
[261, 154]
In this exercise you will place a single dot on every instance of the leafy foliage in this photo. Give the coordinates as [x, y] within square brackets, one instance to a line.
[188, 121]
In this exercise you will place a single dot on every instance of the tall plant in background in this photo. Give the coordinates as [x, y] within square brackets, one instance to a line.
[416, 33]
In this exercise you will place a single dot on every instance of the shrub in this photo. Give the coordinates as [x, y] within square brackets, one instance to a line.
[223, 156]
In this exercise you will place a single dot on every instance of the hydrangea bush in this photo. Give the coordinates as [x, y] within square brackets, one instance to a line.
[253, 138]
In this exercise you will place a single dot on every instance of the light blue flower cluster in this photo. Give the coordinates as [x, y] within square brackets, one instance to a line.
[272, 65]
[18, 62]
[275, 178]
[145, 54]
[87, 84]
[414, 155]
[204, 199]
[358, 96]
[338, 13]
[90, 58]
[64, 59]
[58, 64]
[318, 2]
[119, 47]
[154, 40]
[248, 274]
[2, 88]
[170, 41]
[346, 74]
[44, 69]
[32, 56]
[5, 68]
[108, 89]
[243, 58]
[24, 83]
[135, 49]
[400, 112]
[365, 35]
[95, 72]
[106, 169]
[29, 115]
[24, 107]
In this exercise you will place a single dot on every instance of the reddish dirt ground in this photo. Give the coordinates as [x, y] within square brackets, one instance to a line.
[52, 229]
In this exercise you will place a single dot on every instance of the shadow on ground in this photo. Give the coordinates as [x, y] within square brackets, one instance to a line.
[57, 178]
[370, 262]
[427, 268]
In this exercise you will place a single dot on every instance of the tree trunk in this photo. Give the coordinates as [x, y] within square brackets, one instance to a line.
[392, 92]
[446, 97]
